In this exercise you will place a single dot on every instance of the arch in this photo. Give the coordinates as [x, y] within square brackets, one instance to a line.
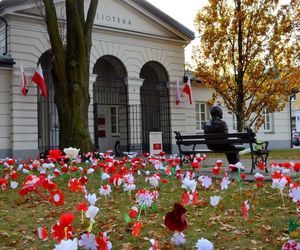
[155, 103]
[110, 103]
[48, 123]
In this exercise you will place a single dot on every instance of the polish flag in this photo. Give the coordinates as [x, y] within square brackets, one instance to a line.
[38, 79]
[188, 90]
[23, 81]
[178, 98]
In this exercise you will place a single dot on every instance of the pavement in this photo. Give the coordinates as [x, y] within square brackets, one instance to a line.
[247, 164]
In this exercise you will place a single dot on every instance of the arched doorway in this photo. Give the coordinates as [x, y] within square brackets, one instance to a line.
[48, 124]
[155, 104]
[110, 104]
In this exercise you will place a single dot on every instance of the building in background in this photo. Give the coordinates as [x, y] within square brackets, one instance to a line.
[136, 58]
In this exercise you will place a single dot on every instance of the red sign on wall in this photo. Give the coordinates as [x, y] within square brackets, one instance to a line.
[156, 146]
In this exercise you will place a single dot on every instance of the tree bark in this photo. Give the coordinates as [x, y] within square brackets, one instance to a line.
[71, 68]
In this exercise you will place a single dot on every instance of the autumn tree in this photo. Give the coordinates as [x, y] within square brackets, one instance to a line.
[71, 60]
[249, 53]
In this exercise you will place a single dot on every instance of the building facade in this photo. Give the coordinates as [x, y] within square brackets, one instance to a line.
[137, 56]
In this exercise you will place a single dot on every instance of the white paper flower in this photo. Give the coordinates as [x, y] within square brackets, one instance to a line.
[105, 176]
[295, 194]
[279, 183]
[206, 181]
[189, 184]
[105, 190]
[88, 241]
[91, 198]
[144, 197]
[178, 239]
[129, 187]
[71, 153]
[129, 178]
[224, 183]
[214, 200]
[259, 177]
[204, 244]
[14, 184]
[92, 212]
[67, 245]
[90, 171]
[154, 181]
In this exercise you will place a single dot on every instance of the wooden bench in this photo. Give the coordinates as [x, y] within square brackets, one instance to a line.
[187, 146]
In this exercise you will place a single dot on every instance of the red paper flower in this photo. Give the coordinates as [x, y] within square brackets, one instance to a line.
[175, 220]
[57, 197]
[102, 242]
[185, 198]
[10, 162]
[262, 165]
[243, 176]
[42, 233]
[216, 170]
[196, 165]
[297, 167]
[136, 229]
[55, 155]
[66, 219]
[195, 198]
[133, 212]
[82, 207]
[59, 232]
[75, 185]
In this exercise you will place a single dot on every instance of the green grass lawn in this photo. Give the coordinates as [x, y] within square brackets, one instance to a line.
[267, 227]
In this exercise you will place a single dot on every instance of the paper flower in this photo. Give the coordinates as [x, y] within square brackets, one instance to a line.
[133, 212]
[204, 244]
[102, 242]
[82, 206]
[245, 210]
[216, 171]
[105, 176]
[55, 155]
[175, 220]
[67, 245]
[154, 244]
[14, 184]
[88, 241]
[91, 198]
[214, 200]
[42, 233]
[206, 181]
[259, 177]
[105, 190]
[224, 183]
[279, 183]
[62, 229]
[189, 184]
[71, 153]
[144, 197]
[74, 185]
[291, 245]
[57, 197]
[178, 239]
[136, 229]
[92, 212]
[294, 193]
[129, 187]
[154, 180]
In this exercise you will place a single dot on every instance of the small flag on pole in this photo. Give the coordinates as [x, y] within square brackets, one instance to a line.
[188, 89]
[23, 80]
[38, 79]
[178, 98]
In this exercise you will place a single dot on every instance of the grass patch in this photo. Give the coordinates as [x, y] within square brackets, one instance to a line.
[224, 226]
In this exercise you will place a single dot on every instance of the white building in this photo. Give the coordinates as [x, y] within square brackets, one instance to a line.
[136, 57]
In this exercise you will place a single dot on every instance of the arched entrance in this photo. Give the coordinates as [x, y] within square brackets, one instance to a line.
[155, 104]
[48, 124]
[110, 104]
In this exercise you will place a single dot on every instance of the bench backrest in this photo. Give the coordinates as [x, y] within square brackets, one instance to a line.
[235, 138]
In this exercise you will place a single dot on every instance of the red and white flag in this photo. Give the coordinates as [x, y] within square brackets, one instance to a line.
[23, 80]
[38, 79]
[178, 98]
[188, 90]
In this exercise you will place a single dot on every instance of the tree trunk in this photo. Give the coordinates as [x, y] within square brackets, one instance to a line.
[71, 68]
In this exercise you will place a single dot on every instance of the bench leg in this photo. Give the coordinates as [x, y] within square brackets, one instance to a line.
[252, 159]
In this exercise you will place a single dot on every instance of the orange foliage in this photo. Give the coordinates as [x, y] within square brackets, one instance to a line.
[249, 53]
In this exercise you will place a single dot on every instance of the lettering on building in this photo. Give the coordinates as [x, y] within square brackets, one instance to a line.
[113, 19]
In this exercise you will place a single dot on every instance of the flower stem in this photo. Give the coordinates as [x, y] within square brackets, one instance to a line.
[40, 194]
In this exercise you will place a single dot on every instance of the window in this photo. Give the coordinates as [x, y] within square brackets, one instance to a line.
[114, 120]
[201, 115]
[234, 122]
[268, 125]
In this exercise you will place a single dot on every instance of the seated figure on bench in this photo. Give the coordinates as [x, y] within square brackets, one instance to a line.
[215, 126]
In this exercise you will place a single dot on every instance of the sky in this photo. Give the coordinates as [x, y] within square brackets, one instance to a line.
[184, 11]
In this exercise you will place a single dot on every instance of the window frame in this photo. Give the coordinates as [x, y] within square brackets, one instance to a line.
[200, 122]
[117, 124]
